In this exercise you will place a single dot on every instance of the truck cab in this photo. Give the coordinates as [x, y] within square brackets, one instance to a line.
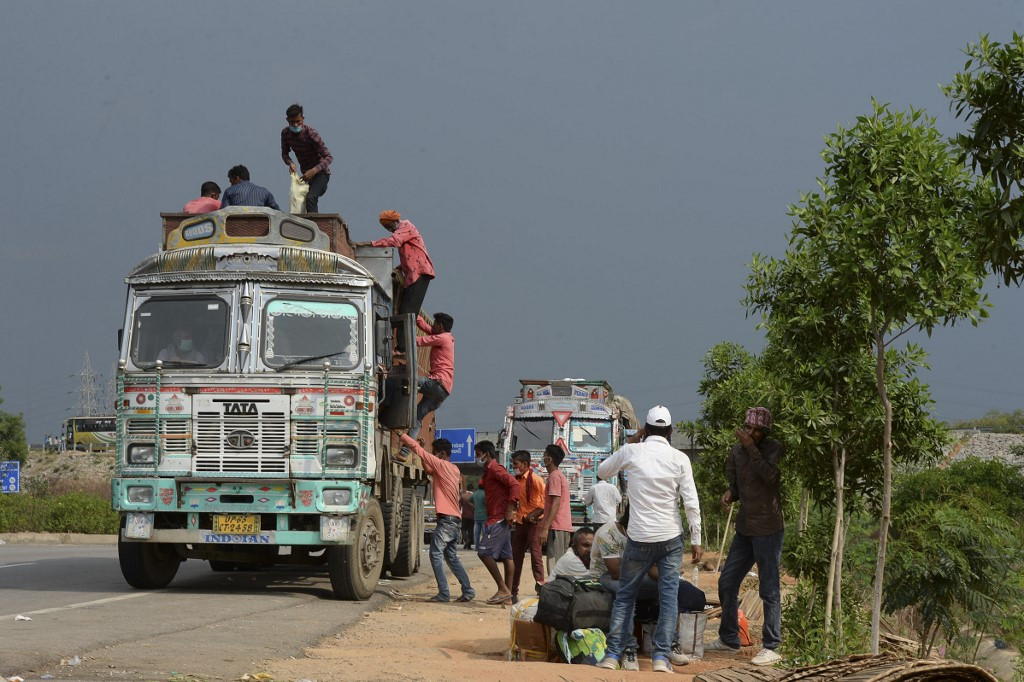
[582, 416]
[257, 394]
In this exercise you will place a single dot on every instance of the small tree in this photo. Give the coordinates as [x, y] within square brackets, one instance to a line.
[891, 229]
[989, 93]
[13, 445]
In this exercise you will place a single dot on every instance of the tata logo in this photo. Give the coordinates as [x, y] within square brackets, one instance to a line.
[240, 408]
[240, 439]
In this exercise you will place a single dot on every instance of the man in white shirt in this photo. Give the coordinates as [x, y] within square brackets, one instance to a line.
[659, 476]
[576, 560]
[604, 497]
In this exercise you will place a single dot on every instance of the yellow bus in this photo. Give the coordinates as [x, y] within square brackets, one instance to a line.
[90, 433]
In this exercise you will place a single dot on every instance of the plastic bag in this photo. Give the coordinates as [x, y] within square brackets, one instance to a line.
[297, 194]
[690, 633]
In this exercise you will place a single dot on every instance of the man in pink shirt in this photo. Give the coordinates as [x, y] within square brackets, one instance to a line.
[444, 544]
[435, 389]
[556, 525]
[414, 262]
[209, 199]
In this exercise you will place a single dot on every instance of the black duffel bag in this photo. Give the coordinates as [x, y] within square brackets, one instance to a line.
[568, 603]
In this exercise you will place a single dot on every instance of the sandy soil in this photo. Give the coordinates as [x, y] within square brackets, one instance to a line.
[412, 639]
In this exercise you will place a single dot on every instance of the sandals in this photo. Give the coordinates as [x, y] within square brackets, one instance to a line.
[466, 597]
[502, 599]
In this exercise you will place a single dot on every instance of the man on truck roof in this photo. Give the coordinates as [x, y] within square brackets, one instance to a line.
[314, 157]
[444, 543]
[435, 389]
[209, 199]
[244, 193]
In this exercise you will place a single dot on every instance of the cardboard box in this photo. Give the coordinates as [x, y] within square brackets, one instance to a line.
[530, 641]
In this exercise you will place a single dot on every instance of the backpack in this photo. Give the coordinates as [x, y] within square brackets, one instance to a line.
[568, 603]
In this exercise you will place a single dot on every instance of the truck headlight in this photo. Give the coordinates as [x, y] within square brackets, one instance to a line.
[140, 494]
[139, 453]
[340, 456]
[337, 498]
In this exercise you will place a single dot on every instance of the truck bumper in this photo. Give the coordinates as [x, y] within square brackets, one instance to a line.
[291, 512]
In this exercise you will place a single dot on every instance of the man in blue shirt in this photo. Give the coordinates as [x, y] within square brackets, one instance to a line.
[244, 193]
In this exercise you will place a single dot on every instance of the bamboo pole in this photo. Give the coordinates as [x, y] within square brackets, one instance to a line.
[725, 536]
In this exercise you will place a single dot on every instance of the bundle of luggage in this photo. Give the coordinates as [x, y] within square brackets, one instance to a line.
[570, 619]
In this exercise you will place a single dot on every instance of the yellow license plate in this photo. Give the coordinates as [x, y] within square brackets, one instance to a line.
[236, 524]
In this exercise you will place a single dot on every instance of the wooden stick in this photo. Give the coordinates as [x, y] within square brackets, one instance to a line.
[725, 535]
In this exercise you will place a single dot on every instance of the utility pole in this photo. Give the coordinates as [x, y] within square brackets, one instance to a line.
[88, 403]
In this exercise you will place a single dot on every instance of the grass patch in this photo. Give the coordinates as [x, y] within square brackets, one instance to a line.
[74, 512]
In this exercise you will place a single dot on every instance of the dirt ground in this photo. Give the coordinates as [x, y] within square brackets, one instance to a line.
[412, 639]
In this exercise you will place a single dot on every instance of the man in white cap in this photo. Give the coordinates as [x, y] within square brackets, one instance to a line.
[659, 476]
[752, 470]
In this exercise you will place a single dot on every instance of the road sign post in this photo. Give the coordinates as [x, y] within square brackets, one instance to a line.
[10, 477]
[462, 441]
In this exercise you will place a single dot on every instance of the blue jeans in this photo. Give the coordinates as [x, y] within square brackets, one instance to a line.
[444, 548]
[478, 530]
[689, 598]
[434, 394]
[637, 560]
[744, 552]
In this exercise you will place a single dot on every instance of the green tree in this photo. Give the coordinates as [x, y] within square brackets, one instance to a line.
[1000, 422]
[989, 93]
[958, 551]
[890, 234]
[13, 445]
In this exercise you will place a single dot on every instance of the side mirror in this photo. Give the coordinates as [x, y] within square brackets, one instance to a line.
[382, 341]
[120, 338]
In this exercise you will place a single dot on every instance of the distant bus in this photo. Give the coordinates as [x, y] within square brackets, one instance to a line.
[89, 433]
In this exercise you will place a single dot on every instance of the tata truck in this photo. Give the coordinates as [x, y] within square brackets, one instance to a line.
[582, 416]
[258, 396]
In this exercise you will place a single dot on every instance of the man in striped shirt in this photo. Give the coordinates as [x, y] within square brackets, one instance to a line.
[314, 157]
[244, 193]
[444, 544]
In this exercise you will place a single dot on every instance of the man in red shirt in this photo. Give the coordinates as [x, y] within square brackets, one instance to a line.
[314, 157]
[435, 389]
[209, 199]
[444, 544]
[495, 544]
[556, 526]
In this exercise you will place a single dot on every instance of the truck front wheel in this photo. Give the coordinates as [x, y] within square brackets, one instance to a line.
[147, 565]
[355, 569]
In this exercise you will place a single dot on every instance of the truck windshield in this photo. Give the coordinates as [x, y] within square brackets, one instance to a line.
[181, 331]
[532, 434]
[304, 333]
[590, 436]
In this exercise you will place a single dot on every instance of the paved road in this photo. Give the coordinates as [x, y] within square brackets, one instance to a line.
[205, 624]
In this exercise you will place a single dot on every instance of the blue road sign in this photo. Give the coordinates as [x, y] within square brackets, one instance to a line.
[10, 477]
[463, 441]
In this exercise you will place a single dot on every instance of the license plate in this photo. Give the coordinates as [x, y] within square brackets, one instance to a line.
[236, 524]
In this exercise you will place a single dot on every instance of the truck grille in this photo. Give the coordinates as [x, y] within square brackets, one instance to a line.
[143, 430]
[264, 455]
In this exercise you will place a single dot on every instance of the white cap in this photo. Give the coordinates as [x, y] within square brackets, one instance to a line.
[659, 416]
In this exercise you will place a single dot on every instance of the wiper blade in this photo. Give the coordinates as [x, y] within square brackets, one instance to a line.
[183, 363]
[309, 359]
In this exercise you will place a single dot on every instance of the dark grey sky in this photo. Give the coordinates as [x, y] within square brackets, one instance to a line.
[591, 178]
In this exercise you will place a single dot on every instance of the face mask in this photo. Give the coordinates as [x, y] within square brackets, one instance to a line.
[185, 345]
[295, 129]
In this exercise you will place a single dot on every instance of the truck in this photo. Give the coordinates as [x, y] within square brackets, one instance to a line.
[582, 416]
[258, 398]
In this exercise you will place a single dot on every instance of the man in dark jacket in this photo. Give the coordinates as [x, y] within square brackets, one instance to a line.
[752, 470]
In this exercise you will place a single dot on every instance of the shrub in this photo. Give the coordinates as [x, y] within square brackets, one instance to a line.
[70, 513]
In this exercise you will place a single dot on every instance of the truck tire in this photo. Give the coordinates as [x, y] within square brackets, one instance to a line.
[392, 513]
[405, 563]
[355, 569]
[147, 565]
